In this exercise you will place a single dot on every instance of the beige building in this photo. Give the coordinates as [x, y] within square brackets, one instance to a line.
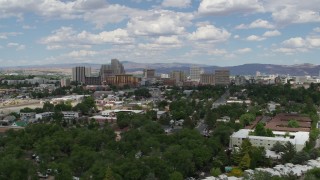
[178, 76]
[207, 79]
[222, 77]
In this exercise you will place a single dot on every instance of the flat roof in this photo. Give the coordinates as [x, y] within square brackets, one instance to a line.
[299, 137]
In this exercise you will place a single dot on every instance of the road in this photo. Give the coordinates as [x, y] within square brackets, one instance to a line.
[202, 126]
[224, 97]
[21, 106]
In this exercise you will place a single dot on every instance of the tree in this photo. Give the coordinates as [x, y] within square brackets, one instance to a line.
[261, 175]
[109, 174]
[260, 130]
[180, 159]
[215, 172]
[313, 174]
[278, 147]
[211, 118]
[162, 104]
[258, 157]
[142, 93]
[62, 107]
[48, 107]
[245, 162]
[289, 152]
[176, 176]
[247, 118]
[300, 157]
[293, 124]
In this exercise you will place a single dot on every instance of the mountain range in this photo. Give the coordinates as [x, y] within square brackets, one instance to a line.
[245, 69]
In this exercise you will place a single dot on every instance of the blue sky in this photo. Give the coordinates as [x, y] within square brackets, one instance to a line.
[213, 32]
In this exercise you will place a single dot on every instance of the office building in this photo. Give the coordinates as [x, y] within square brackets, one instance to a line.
[149, 73]
[88, 71]
[79, 74]
[195, 72]
[115, 68]
[222, 77]
[178, 76]
[93, 80]
[207, 79]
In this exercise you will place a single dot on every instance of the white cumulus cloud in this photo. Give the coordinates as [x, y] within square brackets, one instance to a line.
[255, 38]
[210, 33]
[259, 23]
[272, 33]
[160, 22]
[224, 7]
[176, 3]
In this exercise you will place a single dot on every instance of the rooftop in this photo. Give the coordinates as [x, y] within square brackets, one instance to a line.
[298, 137]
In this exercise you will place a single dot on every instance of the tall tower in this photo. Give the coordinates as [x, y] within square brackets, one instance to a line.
[117, 67]
[195, 73]
[79, 74]
[112, 69]
[88, 71]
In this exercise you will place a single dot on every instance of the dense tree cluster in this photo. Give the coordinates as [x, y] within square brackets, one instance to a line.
[144, 151]
[248, 156]
[142, 93]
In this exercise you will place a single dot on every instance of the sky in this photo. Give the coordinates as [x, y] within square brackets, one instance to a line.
[212, 32]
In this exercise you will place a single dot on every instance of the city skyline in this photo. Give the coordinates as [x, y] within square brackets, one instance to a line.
[222, 32]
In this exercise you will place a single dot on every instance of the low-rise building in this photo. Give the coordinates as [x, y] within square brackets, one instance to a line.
[298, 139]
[43, 115]
[27, 116]
[70, 114]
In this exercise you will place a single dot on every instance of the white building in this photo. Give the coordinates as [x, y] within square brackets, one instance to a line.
[44, 115]
[70, 114]
[298, 139]
[195, 72]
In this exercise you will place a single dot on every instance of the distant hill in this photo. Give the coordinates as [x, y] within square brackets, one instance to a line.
[245, 69]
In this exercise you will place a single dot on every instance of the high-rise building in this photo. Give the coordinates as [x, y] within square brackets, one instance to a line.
[149, 73]
[115, 68]
[195, 73]
[79, 74]
[222, 77]
[207, 79]
[178, 76]
[88, 71]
